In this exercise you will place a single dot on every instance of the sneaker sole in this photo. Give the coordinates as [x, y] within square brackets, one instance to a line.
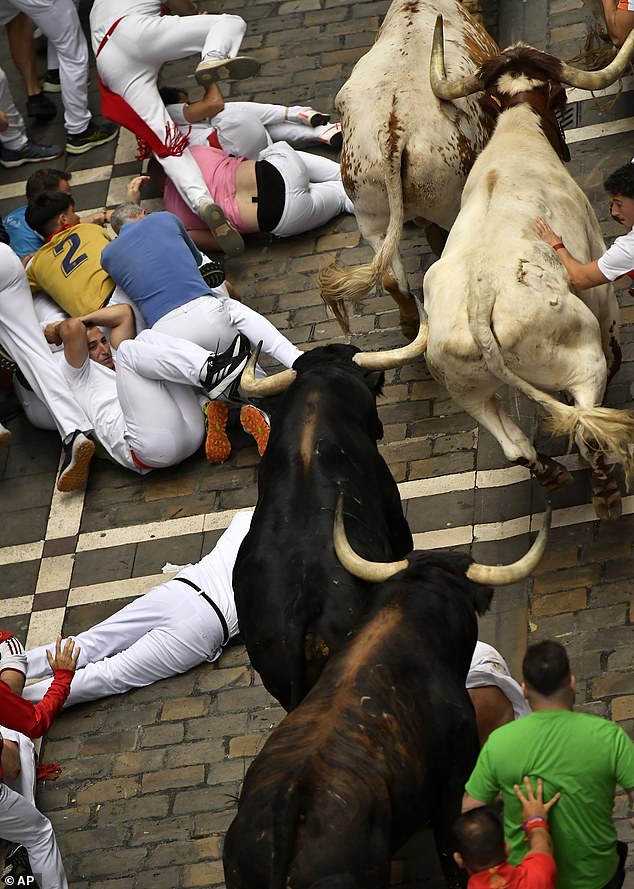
[82, 149]
[254, 423]
[335, 141]
[29, 160]
[51, 87]
[227, 237]
[318, 119]
[227, 69]
[76, 476]
[217, 444]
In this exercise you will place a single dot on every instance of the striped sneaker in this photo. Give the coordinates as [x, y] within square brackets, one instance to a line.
[256, 424]
[217, 444]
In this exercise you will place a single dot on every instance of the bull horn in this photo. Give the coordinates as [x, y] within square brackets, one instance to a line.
[443, 88]
[390, 358]
[375, 572]
[260, 388]
[500, 575]
[597, 80]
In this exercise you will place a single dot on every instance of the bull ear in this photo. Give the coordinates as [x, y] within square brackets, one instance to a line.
[482, 599]
[375, 380]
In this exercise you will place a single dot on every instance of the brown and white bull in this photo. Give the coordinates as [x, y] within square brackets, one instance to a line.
[499, 303]
[405, 154]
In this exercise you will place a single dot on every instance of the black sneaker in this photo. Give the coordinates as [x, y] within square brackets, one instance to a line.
[31, 153]
[40, 107]
[93, 135]
[77, 456]
[224, 369]
[51, 81]
[17, 865]
[213, 272]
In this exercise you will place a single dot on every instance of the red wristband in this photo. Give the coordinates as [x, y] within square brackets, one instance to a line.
[559, 246]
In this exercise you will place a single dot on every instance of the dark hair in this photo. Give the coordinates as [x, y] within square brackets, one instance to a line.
[169, 94]
[45, 180]
[45, 208]
[621, 181]
[546, 667]
[479, 838]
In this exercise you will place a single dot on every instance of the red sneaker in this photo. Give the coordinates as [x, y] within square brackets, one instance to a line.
[217, 444]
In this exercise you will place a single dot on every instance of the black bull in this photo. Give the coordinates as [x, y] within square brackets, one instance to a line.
[382, 745]
[296, 604]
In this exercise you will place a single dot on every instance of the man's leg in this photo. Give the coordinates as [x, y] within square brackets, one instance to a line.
[14, 137]
[21, 822]
[170, 646]
[21, 336]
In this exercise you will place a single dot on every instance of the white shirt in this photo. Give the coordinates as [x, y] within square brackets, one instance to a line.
[488, 667]
[619, 258]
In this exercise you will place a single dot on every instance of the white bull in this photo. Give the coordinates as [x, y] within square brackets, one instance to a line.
[405, 154]
[499, 303]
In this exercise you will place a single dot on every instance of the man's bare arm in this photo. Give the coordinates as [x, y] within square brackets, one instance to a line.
[583, 275]
[470, 802]
[619, 22]
[211, 104]
[120, 320]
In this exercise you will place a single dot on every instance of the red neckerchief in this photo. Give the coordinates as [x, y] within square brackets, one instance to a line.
[62, 229]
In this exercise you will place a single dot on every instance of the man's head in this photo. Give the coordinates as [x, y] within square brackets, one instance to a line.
[98, 346]
[51, 211]
[547, 677]
[127, 212]
[173, 95]
[47, 180]
[479, 840]
[620, 186]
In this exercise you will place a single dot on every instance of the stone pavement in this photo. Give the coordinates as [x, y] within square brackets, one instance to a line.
[151, 778]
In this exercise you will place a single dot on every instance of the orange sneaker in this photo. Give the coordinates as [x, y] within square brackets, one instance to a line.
[255, 423]
[217, 444]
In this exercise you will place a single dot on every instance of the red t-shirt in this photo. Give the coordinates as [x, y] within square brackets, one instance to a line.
[536, 871]
[33, 719]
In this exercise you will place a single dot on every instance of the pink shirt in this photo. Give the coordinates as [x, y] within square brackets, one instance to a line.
[219, 172]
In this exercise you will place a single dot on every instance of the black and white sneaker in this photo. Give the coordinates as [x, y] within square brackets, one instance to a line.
[77, 456]
[17, 865]
[213, 272]
[225, 368]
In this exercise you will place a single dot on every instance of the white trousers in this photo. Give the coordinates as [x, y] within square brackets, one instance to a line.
[163, 633]
[21, 822]
[59, 22]
[314, 191]
[129, 64]
[213, 321]
[22, 338]
[247, 128]
[14, 137]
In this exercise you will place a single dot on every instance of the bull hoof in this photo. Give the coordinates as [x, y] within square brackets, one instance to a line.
[608, 506]
[554, 475]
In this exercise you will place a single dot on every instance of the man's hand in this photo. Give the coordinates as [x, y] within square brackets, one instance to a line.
[534, 806]
[65, 659]
[52, 334]
[4, 122]
[134, 188]
[546, 233]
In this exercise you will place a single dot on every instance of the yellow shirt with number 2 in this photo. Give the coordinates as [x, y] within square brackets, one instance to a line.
[68, 269]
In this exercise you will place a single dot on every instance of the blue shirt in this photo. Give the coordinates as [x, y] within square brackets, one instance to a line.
[22, 239]
[155, 261]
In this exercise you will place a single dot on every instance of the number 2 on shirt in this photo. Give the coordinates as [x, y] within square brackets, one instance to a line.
[70, 261]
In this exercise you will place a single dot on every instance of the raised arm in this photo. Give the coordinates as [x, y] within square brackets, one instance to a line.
[619, 22]
[583, 275]
[211, 104]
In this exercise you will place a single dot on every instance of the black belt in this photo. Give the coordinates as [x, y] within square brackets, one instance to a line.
[219, 614]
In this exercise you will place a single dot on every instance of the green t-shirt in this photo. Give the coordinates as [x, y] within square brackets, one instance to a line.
[582, 756]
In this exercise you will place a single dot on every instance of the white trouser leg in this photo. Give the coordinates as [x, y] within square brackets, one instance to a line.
[14, 137]
[24, 784]
[309, 203]
[242, 127]
[213, 322]
[21, 822]
[155, 376]
[163, 633]
[21, 336]
[34, 408]
[295, 133]
[52, 62]
[59, 21]
[129, 64]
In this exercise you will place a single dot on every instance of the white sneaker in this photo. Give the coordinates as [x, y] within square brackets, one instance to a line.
[331, 135]
[306, 115]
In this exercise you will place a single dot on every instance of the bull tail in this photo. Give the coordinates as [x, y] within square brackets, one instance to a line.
[607, 430]
[287, 806]
[340, 285]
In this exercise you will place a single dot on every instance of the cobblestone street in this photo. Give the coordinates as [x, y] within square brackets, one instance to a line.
[150, 778]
